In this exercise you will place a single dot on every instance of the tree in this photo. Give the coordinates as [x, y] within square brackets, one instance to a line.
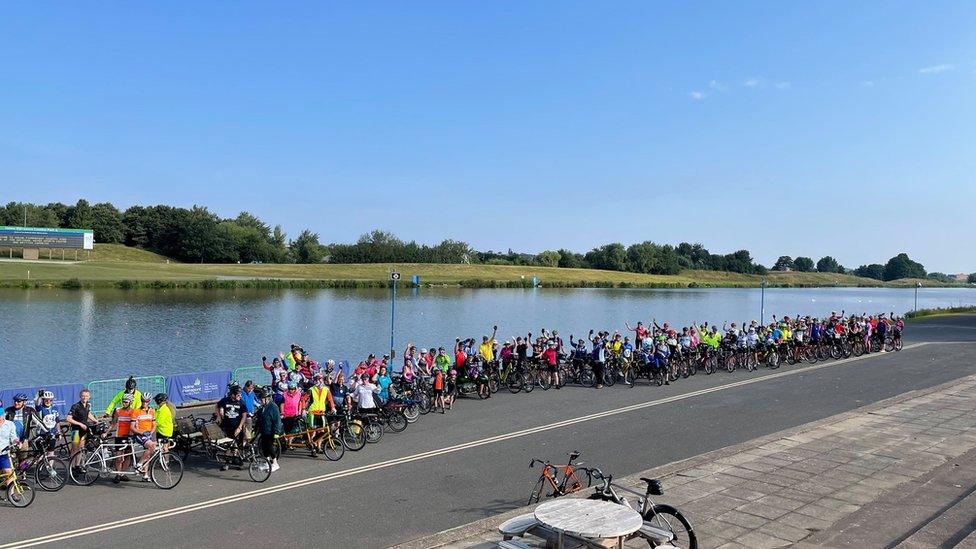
[971, 278]
[612, 257]
[940, 277]
[740, 262]
[306, 248]
[901, 266]
[106, 222]
[873, 270]
[548, 258]
[784, 263]
[80, 215]
[803, 264]
[571, 260]
[827, 264]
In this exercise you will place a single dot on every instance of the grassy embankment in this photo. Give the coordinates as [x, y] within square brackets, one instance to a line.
[922, 313]
[116, 266]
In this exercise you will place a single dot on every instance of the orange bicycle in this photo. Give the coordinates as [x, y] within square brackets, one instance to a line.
[568, 484]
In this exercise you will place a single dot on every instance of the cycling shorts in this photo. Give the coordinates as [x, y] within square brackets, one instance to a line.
[143, 439]
[5, 462]
[551, 368]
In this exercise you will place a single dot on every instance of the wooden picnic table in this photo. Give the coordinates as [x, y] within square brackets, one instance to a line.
[587, 519]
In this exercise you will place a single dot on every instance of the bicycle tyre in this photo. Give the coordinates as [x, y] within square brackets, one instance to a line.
[492, 385]
[730, 363]
[88, 474]
[51, 474]
[396, 422]
[166, 470]
[587, 379]
[536, 494]
[658, 515]
[899, 345]
[514, 383]
[772, 360]
[353, 437]
[20, 494]
[373, 432]
[332, 447]
[610, 377]
[528, 382]
[545, 382]
[259, 469]
[411, 412]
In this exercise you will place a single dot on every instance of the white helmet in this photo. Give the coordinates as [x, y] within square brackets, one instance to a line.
[47, 395]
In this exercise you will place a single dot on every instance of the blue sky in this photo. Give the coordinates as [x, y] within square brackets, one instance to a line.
[841, 128]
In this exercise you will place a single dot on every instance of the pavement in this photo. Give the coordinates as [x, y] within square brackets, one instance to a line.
[471, 464]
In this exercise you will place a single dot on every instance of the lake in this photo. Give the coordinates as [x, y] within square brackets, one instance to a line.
[59, 336]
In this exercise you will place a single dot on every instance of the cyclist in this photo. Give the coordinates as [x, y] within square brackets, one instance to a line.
[551, 360]
[438, 386]
[599, 357]
[122, 423]
[142, 429]
[49, 418]
[232, 415]
[80, 417]
[8, 441]
[487, 348]
[165, 412]
[268, 425]
[21, 415]
[130, 389]
[321, 401]
[442, 361]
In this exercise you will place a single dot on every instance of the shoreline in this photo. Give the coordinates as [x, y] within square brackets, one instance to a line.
[324, 284]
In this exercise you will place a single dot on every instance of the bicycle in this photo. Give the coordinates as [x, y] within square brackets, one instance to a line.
[221, 449]
[17, 490]
[50, 472]
[98, 459]
[569, 483]
[664, 525]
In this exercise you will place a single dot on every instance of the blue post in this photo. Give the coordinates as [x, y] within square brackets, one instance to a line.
[762, 302]
[393, 317]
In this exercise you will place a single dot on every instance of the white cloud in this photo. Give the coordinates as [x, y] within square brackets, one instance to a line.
[717, 86]
[936, 69]
[782, 85]
[753, 83]
[868, 83]
[697, 95]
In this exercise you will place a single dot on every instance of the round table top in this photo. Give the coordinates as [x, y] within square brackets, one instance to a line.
[589, 518]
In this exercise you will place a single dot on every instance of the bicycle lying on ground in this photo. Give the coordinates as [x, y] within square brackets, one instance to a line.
[663, 524]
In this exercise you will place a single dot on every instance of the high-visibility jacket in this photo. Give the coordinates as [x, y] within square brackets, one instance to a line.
[321, 397]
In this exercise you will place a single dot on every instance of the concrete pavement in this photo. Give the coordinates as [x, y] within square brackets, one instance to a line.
[450, 470]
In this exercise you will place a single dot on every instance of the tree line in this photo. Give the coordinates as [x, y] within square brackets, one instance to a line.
[199, 235]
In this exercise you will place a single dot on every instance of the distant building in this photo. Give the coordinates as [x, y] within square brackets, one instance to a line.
[961, 277]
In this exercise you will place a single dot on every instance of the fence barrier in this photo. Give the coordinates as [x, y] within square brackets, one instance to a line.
[257, 374]
[102, 391]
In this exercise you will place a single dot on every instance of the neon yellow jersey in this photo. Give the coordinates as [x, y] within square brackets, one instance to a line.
[117, 399]
[785, 334]
[164, 420]
[615, 346]
[487, 350]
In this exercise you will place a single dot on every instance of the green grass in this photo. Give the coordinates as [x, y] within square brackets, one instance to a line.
[129, 268]
[942, 311]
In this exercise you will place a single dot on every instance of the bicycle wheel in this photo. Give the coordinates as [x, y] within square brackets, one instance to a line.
[259, 468]
[51, 473]
[587, 379]
[354, 437]
[88, 470]
[898, 344]
[166, 470]
[536, 493]
[20, 494]
[493, 384]
[411, 412]
[889, 344]
[373, 432]
[332, 447]
[545, 381]
[610, 377]
[671, 520]
[730, 363]
[396, 422]
[426, 403]
[514, 382]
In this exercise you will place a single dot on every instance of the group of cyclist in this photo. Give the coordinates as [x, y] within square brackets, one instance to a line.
[302, 391]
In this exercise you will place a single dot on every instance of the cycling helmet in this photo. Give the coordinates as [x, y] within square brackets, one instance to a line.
[259, 393]
[20, 397]
[130, 383]
[423, 351]
[127, 399]
[160, 398]
[292, 385]
[47, 395]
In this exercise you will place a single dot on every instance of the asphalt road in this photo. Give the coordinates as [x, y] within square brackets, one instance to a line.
[448, 470]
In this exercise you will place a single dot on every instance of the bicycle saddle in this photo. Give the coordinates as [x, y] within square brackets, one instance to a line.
[654, 486]
[574, 454]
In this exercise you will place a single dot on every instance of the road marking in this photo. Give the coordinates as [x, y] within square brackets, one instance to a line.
[416, 457]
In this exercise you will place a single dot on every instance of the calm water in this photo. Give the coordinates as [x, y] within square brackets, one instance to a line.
[51, 336]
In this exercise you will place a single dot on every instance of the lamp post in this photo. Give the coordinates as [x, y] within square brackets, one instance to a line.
[762, 302]
[917, 286]
[394, 277]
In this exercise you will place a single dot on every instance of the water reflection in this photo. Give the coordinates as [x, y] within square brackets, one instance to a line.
[56, 335]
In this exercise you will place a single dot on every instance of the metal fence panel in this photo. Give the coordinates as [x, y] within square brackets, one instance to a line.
[102, 391]
[257, 374]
